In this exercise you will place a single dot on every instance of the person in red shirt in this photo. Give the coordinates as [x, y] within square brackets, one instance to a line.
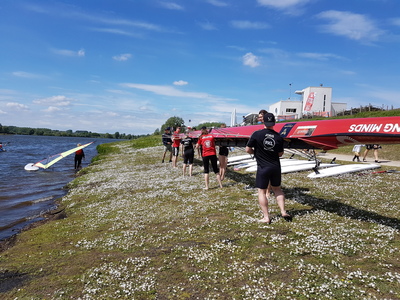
[176, 143]
[207, 144]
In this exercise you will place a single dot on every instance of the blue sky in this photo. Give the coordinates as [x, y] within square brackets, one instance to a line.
[128, 66]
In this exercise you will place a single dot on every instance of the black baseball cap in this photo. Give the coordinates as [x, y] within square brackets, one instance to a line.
[269, 119]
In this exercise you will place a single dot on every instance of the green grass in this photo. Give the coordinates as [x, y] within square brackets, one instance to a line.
[135, 229]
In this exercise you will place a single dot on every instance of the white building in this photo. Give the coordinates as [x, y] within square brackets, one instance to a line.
[315, 101]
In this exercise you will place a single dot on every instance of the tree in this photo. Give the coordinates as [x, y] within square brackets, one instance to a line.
[173, 122]
[210, 124]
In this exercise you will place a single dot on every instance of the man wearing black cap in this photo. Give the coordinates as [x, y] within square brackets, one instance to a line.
[267, 146]
[166, 140]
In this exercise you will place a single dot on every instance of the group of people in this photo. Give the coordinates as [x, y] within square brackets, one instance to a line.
[266, 145]
[205, 147]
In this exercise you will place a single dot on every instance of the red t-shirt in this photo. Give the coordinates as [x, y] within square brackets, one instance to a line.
[176, 140]
[207, 143]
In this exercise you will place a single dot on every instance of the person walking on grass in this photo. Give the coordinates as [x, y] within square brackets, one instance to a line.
[267, 146]
[207, 143]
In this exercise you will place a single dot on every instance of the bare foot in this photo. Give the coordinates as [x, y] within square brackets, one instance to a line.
[264, 220]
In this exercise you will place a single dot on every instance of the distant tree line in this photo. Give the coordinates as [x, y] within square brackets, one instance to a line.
[70, 133]
[175, 122]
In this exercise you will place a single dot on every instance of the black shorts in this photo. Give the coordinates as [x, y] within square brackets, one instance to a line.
[223, 150]
[175, 151]
[267, 175]
[214, 163]
[188, 157]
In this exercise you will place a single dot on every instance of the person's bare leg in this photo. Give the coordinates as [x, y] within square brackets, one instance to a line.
[376, 155]
[219, 180]
[222, 166]
[280, 199]
[175, 161]
[263, 202]
[184, 170]
[365, 154]
[190, 170]
[206, 180]
[268, 192]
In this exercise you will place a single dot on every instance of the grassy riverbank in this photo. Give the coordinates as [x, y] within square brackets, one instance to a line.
[135, 229]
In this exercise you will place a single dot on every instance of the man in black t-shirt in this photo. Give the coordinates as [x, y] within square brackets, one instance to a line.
[267, 147]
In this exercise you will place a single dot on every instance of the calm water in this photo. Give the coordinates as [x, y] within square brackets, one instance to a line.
[24, 195]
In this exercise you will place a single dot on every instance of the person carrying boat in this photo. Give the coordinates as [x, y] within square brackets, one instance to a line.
[166, 140]
[79, 154]
[267, 146]
[207, 143]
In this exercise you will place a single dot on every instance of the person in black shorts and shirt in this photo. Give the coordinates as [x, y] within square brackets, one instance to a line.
[188, 154]
[267, 146]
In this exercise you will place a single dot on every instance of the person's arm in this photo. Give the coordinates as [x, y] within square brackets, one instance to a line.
[249, 150]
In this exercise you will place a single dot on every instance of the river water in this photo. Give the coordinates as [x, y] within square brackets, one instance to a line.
[25, 195]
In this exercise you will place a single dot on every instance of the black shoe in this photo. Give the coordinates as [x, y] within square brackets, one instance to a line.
[288, 218]
[377, 161]
[162, 161]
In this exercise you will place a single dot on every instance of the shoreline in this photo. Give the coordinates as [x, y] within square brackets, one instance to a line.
[132, 226]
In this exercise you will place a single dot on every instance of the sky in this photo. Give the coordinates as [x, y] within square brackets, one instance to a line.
[127, 66]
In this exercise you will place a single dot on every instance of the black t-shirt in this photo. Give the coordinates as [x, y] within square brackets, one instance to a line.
[166, 138]
[187, 143]
[267, 145]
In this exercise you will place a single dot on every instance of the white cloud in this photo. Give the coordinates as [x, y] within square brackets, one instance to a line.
[249, 25]
[395, 21]
[206, 25]
[23, 74]
[54, 101]
[52, 109]
[122, 57]
[166, 90]
[249, 59]
[181, 82]
[292, 7]
[117, 31]
[71, 53]
[282, 4]
[319, 56]
[217, 3]
[350, 25]
[171, 5]
[16, 106]
[171, 91]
